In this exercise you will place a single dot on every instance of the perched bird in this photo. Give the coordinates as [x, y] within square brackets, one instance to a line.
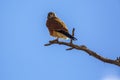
[57, 28]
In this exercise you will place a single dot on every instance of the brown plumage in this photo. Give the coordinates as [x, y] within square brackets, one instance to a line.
[56, 27]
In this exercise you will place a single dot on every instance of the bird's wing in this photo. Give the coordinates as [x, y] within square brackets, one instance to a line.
[56, 24]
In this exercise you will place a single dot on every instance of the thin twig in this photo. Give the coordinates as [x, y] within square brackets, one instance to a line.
[72, 35]
[69, 48]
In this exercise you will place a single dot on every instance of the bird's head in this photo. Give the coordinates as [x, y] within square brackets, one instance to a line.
[51, 15]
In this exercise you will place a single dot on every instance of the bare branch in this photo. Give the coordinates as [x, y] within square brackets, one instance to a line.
[85, 49]
[88, 51]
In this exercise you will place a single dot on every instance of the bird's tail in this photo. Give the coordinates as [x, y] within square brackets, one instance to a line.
[67, 34]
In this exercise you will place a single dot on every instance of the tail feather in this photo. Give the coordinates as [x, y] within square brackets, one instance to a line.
[67, 34]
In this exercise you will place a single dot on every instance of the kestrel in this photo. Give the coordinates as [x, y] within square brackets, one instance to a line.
[57, 28]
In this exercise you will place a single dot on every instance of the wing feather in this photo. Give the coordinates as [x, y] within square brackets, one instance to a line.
[56, 24]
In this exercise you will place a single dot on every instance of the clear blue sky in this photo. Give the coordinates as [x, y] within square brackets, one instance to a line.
[23, 34]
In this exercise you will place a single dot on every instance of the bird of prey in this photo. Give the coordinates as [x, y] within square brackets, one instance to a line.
[57, 28]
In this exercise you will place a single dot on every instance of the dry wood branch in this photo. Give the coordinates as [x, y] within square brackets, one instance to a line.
[85, 49]
[88, 51]
[72, 35]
